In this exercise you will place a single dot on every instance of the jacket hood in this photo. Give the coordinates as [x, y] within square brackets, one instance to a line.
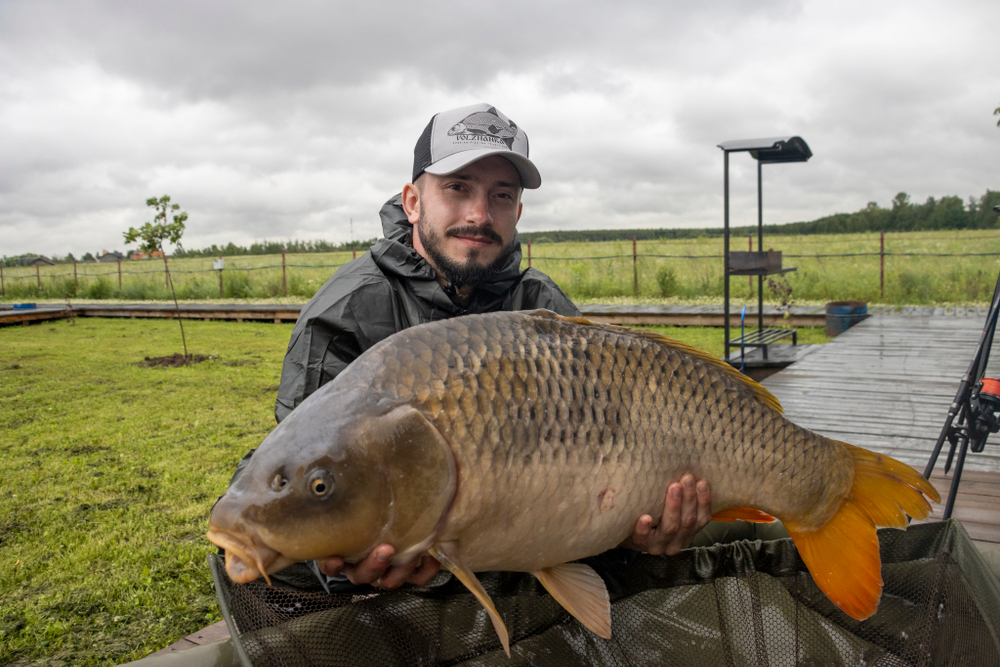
[395, 254]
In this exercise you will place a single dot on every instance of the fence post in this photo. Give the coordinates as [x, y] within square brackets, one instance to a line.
[119, 275]
[881, 269]
[38, 272]
[750, 278]
[3, 287]
[76, 281]
[354, 253]
[635, 269]
[220, 281]
[529, 253]
[284, 279]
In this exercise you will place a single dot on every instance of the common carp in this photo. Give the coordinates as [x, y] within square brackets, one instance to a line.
[525, 441]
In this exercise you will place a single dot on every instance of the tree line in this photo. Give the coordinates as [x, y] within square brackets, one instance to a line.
[903, 215]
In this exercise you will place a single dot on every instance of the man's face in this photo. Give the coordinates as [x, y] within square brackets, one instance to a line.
[465, 222]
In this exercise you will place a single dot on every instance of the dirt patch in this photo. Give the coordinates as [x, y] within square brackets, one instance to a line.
[174, 361]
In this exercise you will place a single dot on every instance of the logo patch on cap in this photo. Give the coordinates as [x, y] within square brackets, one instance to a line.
[486, 127]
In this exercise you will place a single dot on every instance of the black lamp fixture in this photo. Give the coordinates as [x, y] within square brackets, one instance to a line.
[772, 150]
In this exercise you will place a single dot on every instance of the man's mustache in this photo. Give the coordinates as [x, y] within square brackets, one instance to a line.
[472, 231]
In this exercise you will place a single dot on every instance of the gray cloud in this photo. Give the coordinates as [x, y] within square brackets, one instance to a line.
[287, 120]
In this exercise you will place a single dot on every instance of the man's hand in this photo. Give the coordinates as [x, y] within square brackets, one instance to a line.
[686, 510]
[376, 570]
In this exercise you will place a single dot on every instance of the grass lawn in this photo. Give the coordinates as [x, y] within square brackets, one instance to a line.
[108, 471]
[107, 475]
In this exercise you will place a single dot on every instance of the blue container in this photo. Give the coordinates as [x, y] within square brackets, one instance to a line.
[24, 306]
[842, 315]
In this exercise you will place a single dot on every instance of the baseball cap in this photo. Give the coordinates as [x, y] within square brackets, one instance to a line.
[461, 136]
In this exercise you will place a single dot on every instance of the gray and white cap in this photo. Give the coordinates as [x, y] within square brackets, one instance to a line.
[461, 136]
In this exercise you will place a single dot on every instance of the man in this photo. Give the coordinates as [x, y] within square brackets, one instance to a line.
[450, 249]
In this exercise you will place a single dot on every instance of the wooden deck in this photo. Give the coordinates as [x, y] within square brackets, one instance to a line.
[708, 315]
[886, 385]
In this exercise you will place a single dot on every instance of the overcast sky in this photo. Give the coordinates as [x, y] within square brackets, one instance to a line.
[269, 120]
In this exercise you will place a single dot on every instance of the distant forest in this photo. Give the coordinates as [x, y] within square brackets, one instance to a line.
[274, 248]
[902, 216]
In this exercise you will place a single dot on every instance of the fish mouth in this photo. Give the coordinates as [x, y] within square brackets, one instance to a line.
[246, 560]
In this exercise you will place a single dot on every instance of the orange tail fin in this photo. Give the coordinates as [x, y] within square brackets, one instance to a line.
[842, 555]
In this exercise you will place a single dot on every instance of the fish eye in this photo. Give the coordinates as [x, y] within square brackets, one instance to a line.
[320, 483]
[278, 482]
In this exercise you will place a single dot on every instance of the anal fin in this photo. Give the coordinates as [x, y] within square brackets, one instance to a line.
[581, 592]
[445, 554]
[743, 514]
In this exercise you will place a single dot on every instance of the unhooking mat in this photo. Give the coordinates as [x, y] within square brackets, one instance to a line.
[741, 603]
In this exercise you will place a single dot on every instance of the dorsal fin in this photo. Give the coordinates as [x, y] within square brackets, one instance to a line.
[759, 392]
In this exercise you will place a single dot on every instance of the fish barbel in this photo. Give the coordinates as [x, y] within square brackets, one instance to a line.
[524, 441]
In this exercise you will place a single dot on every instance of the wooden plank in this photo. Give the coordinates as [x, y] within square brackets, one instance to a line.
[213, 633]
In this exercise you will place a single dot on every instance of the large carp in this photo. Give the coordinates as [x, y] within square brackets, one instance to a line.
[525, 441]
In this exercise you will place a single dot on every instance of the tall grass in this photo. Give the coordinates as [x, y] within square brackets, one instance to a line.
[682, 269]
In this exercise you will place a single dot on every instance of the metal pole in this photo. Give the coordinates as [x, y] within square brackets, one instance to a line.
[38, 272]
[3, 286]
[881, 268]
[725, 249]
[760, 248]
[635, 269]
[750, 278]
[76, 281]
[284, 280]
[220, 281]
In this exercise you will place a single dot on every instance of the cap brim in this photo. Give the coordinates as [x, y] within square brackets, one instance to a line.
[530, 178]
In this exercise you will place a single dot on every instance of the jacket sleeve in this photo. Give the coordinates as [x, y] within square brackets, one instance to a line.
[537, 290]
[341, 321]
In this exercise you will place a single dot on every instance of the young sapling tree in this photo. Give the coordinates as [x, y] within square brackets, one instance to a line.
[153, 235]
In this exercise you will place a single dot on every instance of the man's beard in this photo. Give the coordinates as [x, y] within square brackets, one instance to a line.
[470, 272]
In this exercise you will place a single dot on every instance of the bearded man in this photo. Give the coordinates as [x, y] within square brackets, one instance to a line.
[450, 249]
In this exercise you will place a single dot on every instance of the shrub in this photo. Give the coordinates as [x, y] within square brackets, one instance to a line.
[667, 281]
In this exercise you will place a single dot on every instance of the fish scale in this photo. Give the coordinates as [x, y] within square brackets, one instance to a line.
[524, 441]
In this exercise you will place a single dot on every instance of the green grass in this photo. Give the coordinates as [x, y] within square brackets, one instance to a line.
[908, 280]
[108, 472]
[107, 475]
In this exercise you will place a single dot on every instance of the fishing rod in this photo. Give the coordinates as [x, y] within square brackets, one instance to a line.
[975, 412]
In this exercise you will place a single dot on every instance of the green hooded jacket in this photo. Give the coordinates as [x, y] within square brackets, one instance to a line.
[385, 291]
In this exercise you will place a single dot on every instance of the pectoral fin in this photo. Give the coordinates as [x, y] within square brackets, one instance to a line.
[445, 554]
[582, 593]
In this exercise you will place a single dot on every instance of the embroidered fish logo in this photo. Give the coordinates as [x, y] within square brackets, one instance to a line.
[485, 124]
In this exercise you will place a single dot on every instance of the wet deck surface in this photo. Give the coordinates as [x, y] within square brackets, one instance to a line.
[886, 385]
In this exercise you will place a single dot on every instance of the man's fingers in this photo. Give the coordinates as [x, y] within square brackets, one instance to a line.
[373, 567]
[704, 504]
[689, 506]
[332, 566]
[425, 571]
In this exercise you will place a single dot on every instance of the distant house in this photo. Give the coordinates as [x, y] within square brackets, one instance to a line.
[138, 254]
[113, 256]
[37, 261]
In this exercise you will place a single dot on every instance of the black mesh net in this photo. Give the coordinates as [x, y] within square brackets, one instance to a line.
[743, 603]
